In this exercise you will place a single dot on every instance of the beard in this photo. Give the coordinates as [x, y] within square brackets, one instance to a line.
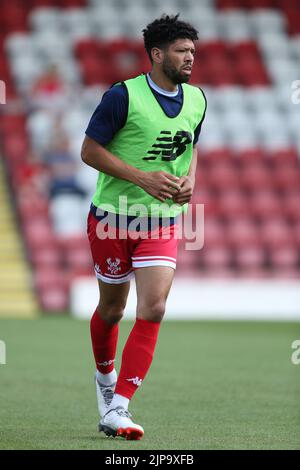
[173, 74]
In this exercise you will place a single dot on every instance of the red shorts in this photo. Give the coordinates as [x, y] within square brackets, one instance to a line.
[116, 257]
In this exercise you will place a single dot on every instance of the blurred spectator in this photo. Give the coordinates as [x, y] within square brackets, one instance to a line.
[49, 92]
[67, 197]
[62, 168]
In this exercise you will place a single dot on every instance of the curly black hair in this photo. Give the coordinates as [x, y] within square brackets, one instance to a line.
[165, 30]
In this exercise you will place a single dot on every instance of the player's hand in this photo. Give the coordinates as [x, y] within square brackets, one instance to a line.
[160, 184]
[186, 190]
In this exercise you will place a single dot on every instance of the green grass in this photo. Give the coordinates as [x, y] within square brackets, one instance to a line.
[212, 385]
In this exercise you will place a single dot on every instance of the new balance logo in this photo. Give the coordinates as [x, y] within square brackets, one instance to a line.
[168, 147]
[136, 381]
[106, 363]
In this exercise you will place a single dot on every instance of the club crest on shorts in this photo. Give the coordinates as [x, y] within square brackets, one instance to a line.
[113, 266]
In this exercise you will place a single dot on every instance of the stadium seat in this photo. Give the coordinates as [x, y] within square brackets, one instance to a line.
[276, 233]
[214, 232]
[222, 178]
[250, 258]
[256, 177]
[216, 257]
[233, 204]
[242, 232]
[291, 205]
[265, 204]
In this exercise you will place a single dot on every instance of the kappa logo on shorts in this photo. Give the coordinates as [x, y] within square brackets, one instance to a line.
[113, 266]
[169, 147]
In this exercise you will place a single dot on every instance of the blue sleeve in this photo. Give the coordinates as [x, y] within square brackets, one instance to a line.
[198, 128]
[109, 116]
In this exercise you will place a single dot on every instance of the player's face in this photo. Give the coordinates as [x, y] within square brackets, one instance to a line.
[178, 60]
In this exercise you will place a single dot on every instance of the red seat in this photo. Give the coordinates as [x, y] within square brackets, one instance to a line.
[79, 258]
[86, 47]
[287, 179]
[284, 257]
[249, 157]
[214, 232]
[213, 157]
[233, 204]
[223, 177]
[243, 232]
[293, 19]
[265, 204]
[251, 72]
[187, 259]
[53, 299]
[216, 256]
[291, 205]
[229, 4]
[50, 277]
[250, 257]
[47, 256]
[38, 233]
[276, 233]
[286, 273]
[284, 158]
[202, 196]
[257, 177]
[253, 4]
[73, 3]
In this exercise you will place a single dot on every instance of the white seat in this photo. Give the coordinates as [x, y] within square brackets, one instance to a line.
[293, 120]
[230, 97]
[18, 44]
[53, 45]
[268, 120]
[275, 141]
[243, 140]
[87, 179]
[261, 98]
[235, 121]
[67, 215]
[45, 18]
[284, 95]
[75, 18]
[91, 97]
[267, 20]
[282, 71]
[234, 25]
[74, 122]
[212, 134]
[40, 126]
[273, 45]
[25, 70]
[295, 46]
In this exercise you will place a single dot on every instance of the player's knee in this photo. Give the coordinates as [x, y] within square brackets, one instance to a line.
[111, 312]
[152, 312]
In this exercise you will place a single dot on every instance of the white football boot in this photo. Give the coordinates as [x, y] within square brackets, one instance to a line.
[105, 395]
[118, 422]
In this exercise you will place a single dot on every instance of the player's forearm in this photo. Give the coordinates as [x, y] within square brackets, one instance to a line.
[101, 159]
[193, 165]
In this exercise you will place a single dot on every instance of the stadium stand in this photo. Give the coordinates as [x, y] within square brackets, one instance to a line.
[58, 57]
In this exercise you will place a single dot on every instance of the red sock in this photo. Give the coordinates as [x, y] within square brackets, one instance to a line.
[104, 341]
[137, 356]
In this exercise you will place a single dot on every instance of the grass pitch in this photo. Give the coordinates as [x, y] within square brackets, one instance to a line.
[212, 385]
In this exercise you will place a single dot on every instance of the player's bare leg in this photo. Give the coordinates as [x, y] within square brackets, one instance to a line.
[153, 285]
[104, 334]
